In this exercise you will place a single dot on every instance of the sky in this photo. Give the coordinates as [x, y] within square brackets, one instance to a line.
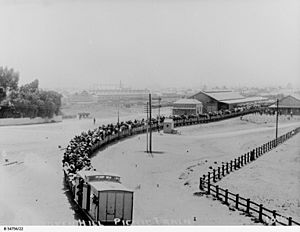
[152, 43]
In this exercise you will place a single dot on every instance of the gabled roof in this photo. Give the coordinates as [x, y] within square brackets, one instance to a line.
[245, 100]
[221, 95]
[187, 101]
[287, 102]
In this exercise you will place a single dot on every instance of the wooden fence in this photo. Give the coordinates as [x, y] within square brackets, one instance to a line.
[263, 214]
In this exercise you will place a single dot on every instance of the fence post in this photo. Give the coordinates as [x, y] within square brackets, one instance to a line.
[230, 165]
[208, 183]
[248, 206]
[214, 175]
[248, 156]
[217, 191]
[260, 150]
[235, 164]
[226, 196]
[290, 221]
[219, 173]
[242, 161]
[252, 155]
[260, 213]
[200, 185]
[223, 170]
[227, 171]
[237, 201]
[274, 216]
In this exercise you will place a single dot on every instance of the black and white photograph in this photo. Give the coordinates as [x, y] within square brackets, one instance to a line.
[178, 114]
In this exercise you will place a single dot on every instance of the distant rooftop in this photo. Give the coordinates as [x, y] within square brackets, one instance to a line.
[187, 101]
[287, 102]
[245, 100]
[223, 95]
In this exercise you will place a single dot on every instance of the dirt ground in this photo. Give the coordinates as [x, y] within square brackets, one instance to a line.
[273, 180]
[33, 193]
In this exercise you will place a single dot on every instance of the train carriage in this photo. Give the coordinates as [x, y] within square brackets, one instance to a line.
[103, 198]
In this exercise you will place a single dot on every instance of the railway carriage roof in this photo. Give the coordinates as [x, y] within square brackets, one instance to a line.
[109, 185]
[84, 174]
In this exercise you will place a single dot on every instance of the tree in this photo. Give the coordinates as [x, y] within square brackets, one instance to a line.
[8, 81]
[31, 87]
[28, 100]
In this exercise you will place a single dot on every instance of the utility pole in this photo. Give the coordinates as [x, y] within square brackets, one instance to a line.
[150, 129]
[147, 126]
[277, 102]
[159, 99]
[119, 110]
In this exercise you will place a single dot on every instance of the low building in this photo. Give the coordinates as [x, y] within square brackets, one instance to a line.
[223, 100]
[187, 107]
[288, 105]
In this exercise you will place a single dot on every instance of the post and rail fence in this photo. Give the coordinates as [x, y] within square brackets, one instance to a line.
[251, 208]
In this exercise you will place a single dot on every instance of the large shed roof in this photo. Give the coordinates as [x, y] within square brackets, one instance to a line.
[187, 101]
[222, 95]
[245, 100]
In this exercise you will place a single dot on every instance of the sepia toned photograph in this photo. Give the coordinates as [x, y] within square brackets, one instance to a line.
[149, 113]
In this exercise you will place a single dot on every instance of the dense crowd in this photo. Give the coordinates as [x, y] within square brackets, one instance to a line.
[77, 154]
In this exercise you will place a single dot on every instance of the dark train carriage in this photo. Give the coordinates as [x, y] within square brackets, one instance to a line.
[103, 198]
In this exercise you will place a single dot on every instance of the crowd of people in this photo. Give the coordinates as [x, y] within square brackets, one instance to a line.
[77, 154]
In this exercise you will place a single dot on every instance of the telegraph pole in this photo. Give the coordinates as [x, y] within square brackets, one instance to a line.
[159, 99]
[119, 110]
[150, 129]
[147, 125]
[277, 119]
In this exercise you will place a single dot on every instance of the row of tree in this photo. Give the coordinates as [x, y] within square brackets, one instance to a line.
[27, 100]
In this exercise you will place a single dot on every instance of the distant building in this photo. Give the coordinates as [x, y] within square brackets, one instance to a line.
[125, 94]
[83, 97]
[222, 100]
[187, 107]
[288, 105]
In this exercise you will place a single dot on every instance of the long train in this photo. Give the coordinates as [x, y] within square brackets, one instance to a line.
[101, 196]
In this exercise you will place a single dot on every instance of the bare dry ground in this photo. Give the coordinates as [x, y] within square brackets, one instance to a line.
[273, 180]
[32, 191]
[164, 182]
